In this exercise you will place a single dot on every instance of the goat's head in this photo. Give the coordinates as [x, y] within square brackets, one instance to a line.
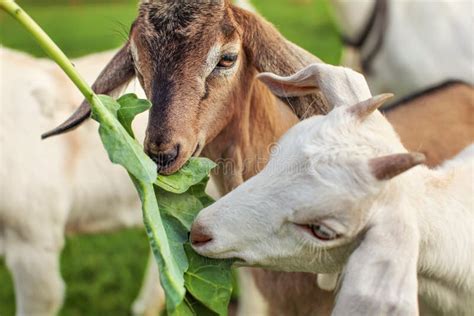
[307, 208]
[197, 61]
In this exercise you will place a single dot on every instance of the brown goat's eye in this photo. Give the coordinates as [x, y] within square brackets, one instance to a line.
[227, 61]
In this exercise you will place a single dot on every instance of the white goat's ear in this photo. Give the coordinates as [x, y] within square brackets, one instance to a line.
[388, 167]
[380, 277]
[302, 83]
[364, 109]
[340, 86]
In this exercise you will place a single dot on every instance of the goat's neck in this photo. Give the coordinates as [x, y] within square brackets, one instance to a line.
[440, 199]
[243, 148]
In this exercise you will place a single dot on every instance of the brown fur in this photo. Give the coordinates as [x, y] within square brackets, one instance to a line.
[439, 124]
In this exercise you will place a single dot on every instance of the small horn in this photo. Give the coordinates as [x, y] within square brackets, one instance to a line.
[365, 108]
[388, 167]
[118, 72]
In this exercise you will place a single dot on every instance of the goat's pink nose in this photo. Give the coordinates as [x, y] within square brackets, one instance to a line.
[198, 235]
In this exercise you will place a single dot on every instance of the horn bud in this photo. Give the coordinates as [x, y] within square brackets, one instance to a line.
[388, 167]
[365, 108]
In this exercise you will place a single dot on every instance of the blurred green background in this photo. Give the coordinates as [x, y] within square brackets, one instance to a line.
[104, 273]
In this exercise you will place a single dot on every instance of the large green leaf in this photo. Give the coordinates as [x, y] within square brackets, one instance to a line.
[121, 147]
[193, 285]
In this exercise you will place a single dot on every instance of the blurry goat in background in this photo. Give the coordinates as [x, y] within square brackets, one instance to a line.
[64, 185]
[407, 46]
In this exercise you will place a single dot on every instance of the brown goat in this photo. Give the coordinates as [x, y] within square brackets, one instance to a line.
[197, 62]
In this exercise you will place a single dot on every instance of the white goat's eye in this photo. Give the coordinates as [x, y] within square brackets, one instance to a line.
[322, 232]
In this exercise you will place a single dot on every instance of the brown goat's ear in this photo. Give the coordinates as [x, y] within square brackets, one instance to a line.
[268, 51]
[364, 109]
[302, 83]
[116, 75]
[388, 167]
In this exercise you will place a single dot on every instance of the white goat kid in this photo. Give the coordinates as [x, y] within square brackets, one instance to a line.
[337, 198]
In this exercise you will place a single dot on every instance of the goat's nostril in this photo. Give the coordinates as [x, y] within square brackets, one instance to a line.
[165, 158]
[198, 236]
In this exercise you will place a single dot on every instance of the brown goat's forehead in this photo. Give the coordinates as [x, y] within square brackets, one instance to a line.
[181, 16]
[166, 27]
[173, 43]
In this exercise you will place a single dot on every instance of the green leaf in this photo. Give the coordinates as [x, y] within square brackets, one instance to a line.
[209, 281]
[121, 147]
[192, 173]
[130, 107]
[183, 207]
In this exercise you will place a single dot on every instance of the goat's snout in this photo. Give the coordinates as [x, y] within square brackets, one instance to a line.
[163, 156]
[199, 236]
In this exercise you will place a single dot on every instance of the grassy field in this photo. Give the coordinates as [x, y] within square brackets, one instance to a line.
[103, 273]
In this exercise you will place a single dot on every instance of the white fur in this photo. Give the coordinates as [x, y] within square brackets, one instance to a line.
[425, 43]
[400, 239]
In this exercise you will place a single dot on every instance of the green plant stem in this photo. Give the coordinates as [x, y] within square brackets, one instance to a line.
[12, 8]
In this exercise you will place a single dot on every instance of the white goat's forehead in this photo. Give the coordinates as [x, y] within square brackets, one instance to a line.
[320, 147]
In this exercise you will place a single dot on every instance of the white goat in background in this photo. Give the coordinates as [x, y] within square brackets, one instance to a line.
[405, 46]
[62, 185]
[337, 198]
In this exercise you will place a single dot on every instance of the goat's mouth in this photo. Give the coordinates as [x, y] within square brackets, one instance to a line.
[172, 167]
[211, 250]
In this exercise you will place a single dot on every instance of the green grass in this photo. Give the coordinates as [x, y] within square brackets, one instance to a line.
[78, 30]
[103, 273]
[308, 25]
